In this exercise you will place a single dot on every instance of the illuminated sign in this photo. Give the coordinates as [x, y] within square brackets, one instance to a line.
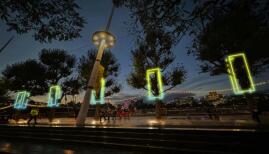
[21, 100]
[101, 100]
[55, 94]
[157, 73]
[232, 72]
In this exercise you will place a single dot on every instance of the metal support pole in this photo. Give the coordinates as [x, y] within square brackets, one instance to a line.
[80, 121]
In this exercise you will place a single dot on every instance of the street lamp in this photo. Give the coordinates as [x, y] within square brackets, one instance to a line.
[102, 39]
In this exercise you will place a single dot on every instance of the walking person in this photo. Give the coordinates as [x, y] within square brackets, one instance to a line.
[33, 115]
[102, 115]
[114, 114]
[108, 113]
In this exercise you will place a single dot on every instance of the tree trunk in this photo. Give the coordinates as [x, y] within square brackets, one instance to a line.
[97, 111]
[51, 114]
[158, 111]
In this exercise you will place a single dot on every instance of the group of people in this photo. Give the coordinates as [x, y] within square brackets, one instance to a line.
[114, 113]
[107, 113]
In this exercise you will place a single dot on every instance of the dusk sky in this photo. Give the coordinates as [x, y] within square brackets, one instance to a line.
[96, 14]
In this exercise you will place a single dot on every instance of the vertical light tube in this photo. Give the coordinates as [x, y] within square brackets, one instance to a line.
[156, 71]
[21, 100]
[101, 100]
[55, 94]
[233, 77]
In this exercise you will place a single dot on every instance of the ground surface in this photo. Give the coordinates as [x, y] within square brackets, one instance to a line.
[18, 147]
[150, 121]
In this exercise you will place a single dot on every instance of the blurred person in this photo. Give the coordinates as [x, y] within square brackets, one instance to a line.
[33, 115]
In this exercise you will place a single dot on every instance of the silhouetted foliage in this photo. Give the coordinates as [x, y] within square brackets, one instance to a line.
[3, 91]
[28, 75]
[110, 64]
[155, 50]
[48, 19]
[237, 26]
[72, 86]
[218, 28]
[36, 77]
[58, 64]
[172, 16]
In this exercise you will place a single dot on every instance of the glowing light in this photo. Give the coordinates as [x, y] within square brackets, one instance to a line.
[93, 122]
[100, 36]
[159, 82]
[22, 121]
[21, 100]
[232, 75]
[95, 38]
[156, 122]
[111, 38]
[101, 100]
[56, 122]
[55, 94]
[103, 35]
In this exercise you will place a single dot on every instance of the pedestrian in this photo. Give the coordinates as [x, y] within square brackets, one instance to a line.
[33, 115]
[108, 113]
[114, 114]
[102, 115]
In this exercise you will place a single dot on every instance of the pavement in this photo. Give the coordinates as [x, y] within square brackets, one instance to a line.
[26, 147]
[167, 122]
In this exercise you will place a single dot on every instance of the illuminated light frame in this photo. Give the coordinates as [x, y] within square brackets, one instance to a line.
[235, 85]
[157, 71]
[21, 100]
[102, 94]
[58, 92]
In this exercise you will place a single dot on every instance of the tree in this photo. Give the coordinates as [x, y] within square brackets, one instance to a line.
[175, 17]
[235, 27]
[47, 19]
[243, 26]
[28, 75]
[3, 91]
[72, 87]
[58, 63]
[111, 69]
[155, 50]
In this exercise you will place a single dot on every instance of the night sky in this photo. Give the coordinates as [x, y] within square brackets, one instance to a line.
[96, 13]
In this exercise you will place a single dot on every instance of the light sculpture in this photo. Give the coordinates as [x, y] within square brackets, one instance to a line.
[101, 100]
[21, 100]
[233, 77]
[54, 96]
[157, 72]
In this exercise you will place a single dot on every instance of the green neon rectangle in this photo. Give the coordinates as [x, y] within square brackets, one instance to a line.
[232, 75]
[55, 94]
[156, 71]
[101, 100]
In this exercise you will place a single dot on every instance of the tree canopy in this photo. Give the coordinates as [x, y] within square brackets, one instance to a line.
[47, 19]
[28, 75]
[37, 76]
[155, 50]
[218, 28]
[58, 64]
[242, 27]
[72, 86]
[3, 91]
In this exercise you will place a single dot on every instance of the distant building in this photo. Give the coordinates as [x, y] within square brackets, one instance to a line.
[213, 96]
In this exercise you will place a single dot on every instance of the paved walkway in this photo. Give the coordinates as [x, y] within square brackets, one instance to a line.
[236, 121]
[18, 147]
